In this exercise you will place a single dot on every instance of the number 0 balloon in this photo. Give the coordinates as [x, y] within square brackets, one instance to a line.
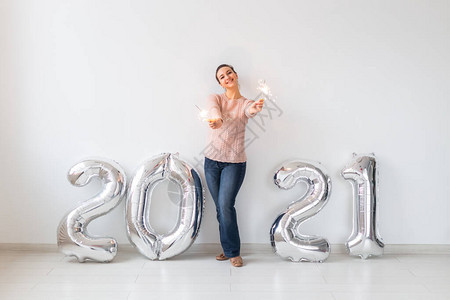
[286, 241]
[72, 236]
[141, 234]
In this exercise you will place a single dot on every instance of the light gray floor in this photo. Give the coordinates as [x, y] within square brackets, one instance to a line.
[47, 274]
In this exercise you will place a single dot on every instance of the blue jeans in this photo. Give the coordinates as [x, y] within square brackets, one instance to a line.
[224, 181]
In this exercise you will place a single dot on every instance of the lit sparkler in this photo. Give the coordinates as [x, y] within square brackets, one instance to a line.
[264, 88]
[203, 114]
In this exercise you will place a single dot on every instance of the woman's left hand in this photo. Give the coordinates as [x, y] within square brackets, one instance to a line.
[256, 106]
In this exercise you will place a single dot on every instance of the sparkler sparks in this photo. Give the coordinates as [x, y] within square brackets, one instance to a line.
[203, 114]
[264, 88]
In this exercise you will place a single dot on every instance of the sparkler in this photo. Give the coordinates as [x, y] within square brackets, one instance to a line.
[203, 114]
[264, 88]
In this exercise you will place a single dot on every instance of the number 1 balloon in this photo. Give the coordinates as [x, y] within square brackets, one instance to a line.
[140, 233]
[362, 174]
[286, 241]
[72, 236]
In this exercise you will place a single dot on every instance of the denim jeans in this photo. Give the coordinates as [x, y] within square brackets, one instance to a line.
[224, 181]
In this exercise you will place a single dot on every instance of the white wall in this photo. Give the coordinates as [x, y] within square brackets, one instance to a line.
[119, 79]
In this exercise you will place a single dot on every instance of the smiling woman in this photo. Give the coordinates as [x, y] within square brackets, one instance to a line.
[228, 70]
[225, 160]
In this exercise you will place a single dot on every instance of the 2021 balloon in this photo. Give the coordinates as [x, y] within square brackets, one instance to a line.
[72, 236]
[362, 173]
[140, 233]
[286, 241]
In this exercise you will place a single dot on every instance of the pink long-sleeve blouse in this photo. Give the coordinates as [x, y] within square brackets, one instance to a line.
[227, 143]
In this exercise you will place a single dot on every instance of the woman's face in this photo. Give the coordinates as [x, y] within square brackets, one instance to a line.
[227, 78]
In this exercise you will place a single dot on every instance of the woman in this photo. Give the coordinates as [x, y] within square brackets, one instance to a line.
[225, 160]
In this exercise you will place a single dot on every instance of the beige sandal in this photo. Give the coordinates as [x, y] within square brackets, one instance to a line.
[237, 261]
[221, 257]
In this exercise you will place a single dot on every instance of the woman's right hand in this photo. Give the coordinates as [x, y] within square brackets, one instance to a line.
[215, 123]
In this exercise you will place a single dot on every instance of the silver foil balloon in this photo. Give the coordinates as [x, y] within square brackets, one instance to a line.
[362, 174]
[285, 238]
[151, 244]
[72, 236]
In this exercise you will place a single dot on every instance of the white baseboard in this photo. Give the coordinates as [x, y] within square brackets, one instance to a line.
[248, 248]
[417, 249]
